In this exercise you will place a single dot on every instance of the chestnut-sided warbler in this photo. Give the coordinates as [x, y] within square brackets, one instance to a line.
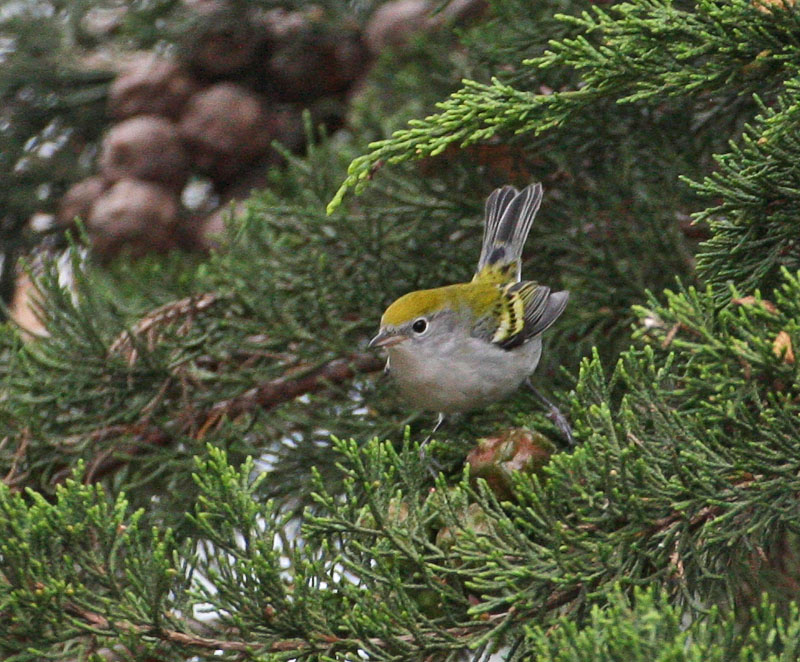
[464, 346]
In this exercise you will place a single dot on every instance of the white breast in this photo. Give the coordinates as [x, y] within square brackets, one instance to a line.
[461, 372]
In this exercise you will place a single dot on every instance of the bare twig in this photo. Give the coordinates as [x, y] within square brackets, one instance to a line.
[13, 478]
[300, 646]
[264, 396]
[284, 389]
[147, 328]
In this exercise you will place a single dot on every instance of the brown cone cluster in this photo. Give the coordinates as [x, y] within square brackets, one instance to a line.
[214, 111]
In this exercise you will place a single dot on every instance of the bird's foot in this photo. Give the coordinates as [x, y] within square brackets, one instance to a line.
[555, 415]
[425, 457]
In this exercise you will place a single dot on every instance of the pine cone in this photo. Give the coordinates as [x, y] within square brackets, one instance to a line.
[145, 147]
[135, 216]
[226, 127]
[393, 24]
[79, 198]
[308, 60]
[150, 86]
[225, 45]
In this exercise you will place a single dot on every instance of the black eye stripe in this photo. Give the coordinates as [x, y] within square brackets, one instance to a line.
[420, 325]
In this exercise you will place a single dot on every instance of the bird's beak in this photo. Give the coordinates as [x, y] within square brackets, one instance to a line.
[387, 338]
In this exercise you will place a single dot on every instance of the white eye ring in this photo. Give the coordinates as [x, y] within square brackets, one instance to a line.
[420, 326]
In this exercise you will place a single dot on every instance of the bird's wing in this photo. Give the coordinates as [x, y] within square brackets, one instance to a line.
[524, 310]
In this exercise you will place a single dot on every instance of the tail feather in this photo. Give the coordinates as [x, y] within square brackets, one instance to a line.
[509, 216]
[496, 204]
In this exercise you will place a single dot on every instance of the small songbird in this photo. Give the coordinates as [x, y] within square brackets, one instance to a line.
[464, 346]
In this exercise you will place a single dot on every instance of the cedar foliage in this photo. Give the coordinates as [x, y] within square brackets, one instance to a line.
[135, 525]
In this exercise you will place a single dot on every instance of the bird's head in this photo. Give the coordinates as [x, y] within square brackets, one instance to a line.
[413, 315]
[427, 313]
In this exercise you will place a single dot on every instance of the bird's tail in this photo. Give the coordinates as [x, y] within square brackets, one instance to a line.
[509, 216]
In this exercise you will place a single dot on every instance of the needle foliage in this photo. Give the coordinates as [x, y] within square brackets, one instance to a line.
[202, 460]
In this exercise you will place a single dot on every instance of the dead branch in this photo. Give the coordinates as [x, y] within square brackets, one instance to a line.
[262, 397]
[284, 389]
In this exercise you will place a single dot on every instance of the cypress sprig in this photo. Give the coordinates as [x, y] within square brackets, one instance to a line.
[757, 221]
[631, 53]
[134, 524]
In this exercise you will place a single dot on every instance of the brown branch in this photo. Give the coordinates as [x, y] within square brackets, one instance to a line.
[563, 596]
[150, 325]
[703, 515]
[14, 477]
[98, 621]
[264, 396]
[121, 443]
[284, 389]
[143, 435]
[300, 646]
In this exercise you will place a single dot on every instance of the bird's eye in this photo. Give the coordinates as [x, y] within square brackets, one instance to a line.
[420, 325]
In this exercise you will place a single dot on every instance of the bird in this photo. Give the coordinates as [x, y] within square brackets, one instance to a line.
[462, 347]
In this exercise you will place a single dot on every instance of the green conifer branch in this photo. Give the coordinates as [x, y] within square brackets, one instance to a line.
[759, 189]
[632, 53]
[686, 479]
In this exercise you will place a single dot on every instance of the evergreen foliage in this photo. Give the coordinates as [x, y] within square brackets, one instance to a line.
[135, 525]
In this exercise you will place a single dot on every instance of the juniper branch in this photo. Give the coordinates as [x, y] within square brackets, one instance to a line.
[321, 642]
[261, 397]
[635, 52]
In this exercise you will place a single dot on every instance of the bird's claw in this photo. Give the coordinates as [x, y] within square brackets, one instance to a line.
[561, 422]
[555, 415]
[428, 461]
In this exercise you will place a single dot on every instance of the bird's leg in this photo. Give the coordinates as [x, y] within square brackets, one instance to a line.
[440, 419]
[555, 415]
[423, 453]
